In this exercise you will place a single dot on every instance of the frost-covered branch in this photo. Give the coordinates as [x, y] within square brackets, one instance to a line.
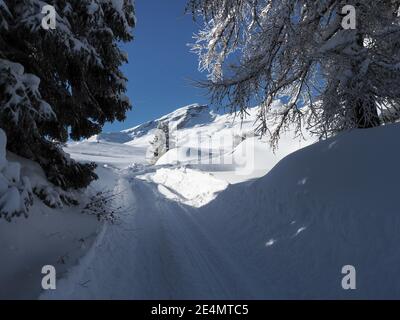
[257, 51]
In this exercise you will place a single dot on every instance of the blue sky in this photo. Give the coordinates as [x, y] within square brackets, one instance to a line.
[160, 62]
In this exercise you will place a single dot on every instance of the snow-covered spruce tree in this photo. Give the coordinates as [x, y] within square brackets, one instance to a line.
[257, 51]
[61, 83]
[160, 144]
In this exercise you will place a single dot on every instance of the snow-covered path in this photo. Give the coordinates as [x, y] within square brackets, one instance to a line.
[158, 250]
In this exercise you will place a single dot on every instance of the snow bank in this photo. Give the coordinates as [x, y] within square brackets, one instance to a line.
[187, 186]
[249, 159]
[186, 155]
[58, 237]
[331, 204]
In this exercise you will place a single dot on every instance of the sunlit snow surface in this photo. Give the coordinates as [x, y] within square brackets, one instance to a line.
[264, 225]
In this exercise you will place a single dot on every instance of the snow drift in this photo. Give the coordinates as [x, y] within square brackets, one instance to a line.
[191, 187]
[323, 207]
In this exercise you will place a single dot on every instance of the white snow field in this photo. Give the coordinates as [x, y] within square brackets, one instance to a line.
[239, 222]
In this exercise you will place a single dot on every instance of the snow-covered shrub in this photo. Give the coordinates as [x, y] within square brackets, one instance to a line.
[54, 197]
[15, 191]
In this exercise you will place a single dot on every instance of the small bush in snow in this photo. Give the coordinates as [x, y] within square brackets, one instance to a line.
[104, 206]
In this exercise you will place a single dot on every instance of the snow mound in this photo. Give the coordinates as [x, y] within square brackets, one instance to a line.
[187, 186]
[236, 161]
[186, 155]
[331, 204]
[15, 191]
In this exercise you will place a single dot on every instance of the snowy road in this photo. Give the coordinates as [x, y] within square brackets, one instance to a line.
[158, 250]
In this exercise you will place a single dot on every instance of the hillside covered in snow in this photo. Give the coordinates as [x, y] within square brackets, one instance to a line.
[201, 138]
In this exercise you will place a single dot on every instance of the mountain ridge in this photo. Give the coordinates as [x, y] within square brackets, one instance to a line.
[184, 117]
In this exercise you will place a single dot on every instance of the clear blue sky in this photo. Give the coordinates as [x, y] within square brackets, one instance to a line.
[160, 62]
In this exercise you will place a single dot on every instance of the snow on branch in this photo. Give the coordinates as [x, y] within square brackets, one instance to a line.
[257, 51]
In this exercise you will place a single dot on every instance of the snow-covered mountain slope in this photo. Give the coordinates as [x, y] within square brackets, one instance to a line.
[285, 235]
[127, 147]
[185, 117]
[199, 137]
[41, 235]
